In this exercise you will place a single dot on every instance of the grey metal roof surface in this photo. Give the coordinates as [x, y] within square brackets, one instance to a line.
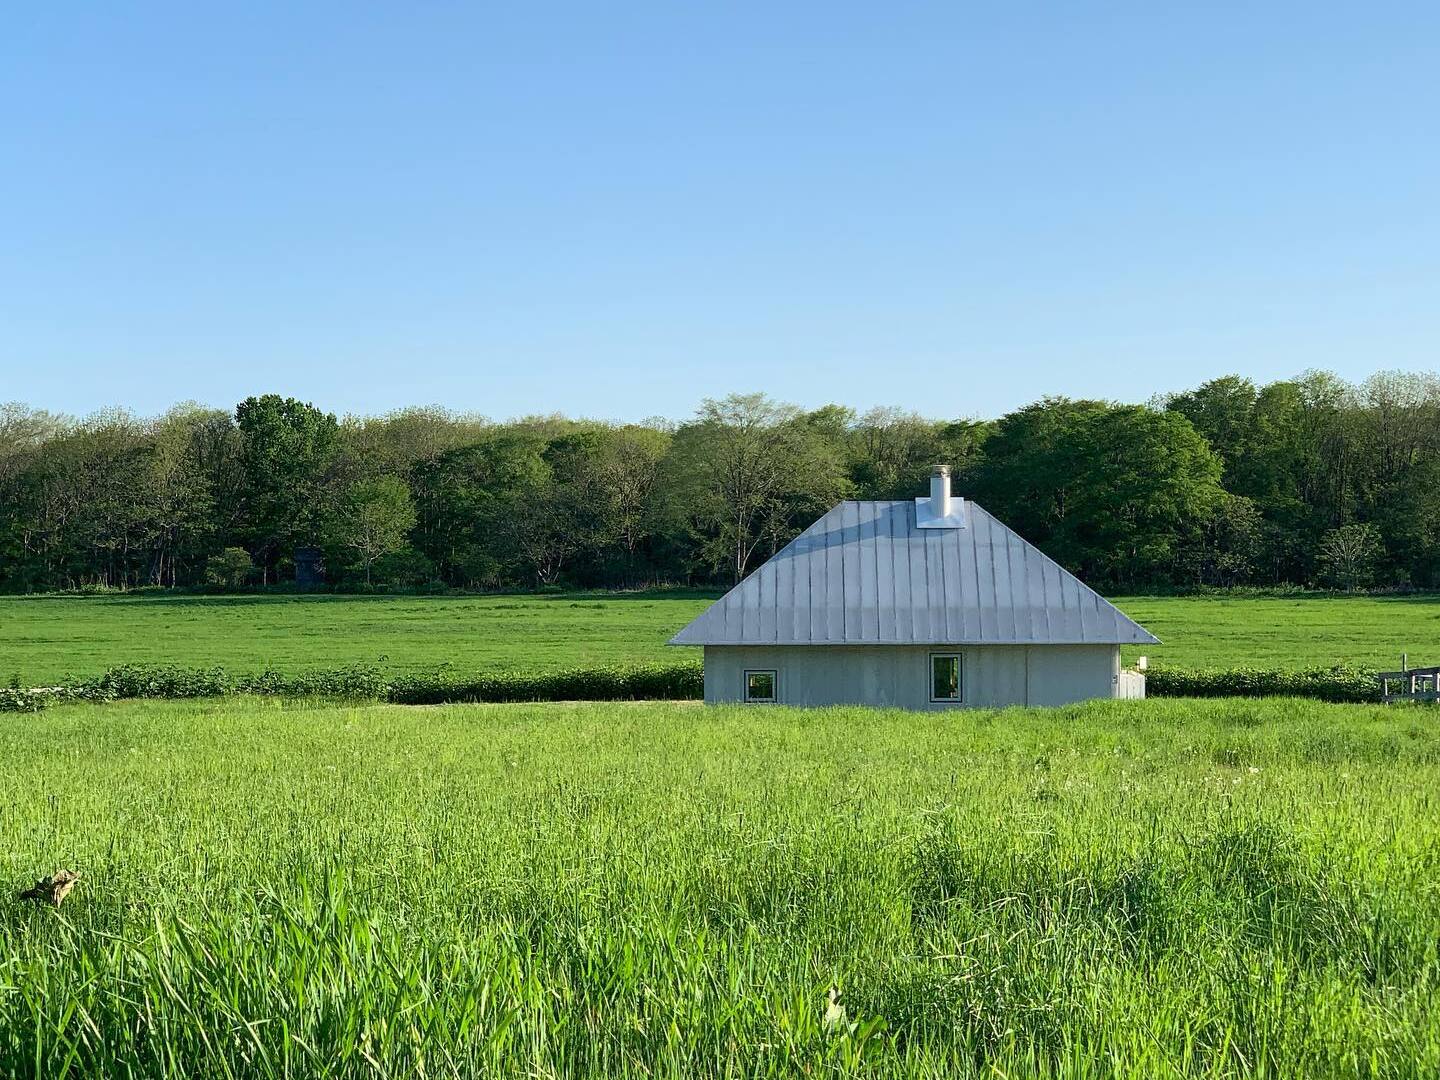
[865, 573]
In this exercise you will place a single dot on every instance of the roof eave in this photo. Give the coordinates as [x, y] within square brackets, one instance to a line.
[1149, 639]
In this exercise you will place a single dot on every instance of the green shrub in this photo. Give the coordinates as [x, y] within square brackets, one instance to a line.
[26, 701]
[1338, 683]
[163, 681]
[231, 569]
[637, 683]
[353, 681]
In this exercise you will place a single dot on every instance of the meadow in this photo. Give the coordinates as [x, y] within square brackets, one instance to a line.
[1173, 888]
[46, 638]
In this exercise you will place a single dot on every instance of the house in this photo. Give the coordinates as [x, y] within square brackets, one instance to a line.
[923, 604]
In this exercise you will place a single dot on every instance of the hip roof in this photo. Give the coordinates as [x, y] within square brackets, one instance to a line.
[866, 573]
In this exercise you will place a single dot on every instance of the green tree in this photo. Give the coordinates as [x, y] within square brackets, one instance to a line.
[747, 475]
[1029, 473]
[597, 506]
[374, 520]
[1222, 410]
[1123, 495]
[469, 501]
[1222, 548]
[230, 569]
[286, 448]
[1348, 555]
[395, 443]
[31, 530]
[82, 499]
[1279, 448]
[627, 479]
[184, 521]
[892, 452]
[1110, 491]
[1399, 446]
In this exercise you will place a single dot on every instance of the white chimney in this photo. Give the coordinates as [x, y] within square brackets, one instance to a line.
[940, 491]
[941, 510]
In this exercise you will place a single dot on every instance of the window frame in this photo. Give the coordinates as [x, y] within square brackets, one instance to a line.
[774, 697]
[959, 658]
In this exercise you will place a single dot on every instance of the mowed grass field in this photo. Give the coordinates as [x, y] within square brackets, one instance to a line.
[1146, 890]
[45, 638]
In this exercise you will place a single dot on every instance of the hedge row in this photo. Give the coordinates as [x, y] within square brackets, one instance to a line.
[662, 682]
[642, 682]
[1327, 684]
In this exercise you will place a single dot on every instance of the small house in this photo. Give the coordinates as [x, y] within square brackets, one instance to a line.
[929, 603]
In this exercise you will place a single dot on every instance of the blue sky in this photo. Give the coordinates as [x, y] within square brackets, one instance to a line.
[615, 210]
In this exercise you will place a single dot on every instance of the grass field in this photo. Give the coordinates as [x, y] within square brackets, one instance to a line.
[45, 638]
[1122, 889]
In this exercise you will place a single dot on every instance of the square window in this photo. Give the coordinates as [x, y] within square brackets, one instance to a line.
[946, 677]
[760, 687]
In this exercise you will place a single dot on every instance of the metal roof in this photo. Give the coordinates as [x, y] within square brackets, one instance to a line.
[867, 573]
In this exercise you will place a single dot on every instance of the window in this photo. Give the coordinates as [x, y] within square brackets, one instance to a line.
[947, 677]
[760, 687]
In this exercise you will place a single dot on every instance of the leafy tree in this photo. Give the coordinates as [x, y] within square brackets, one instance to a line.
[1286, 448]
[627, 478]
[892, 452]
[230, 569]
[1222, 410]
[1348, 555]
[374, 520]
[182, 489]
[1399, 446]
[1108, 490]
[81, 502]
[596, 510]
[748, 474]
[394, 443]
[469, 501]
[286, 447]
[1221, 548]
[1029, 474]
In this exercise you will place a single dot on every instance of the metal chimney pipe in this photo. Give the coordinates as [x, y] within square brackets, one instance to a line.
[940, 491]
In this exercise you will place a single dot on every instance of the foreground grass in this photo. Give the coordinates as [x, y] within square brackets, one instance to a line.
[1123, 889]
[48, 638]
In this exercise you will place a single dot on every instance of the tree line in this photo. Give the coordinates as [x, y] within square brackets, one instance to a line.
[1311, 480]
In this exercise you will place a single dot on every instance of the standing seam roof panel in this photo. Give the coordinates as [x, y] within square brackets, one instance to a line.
[865, 573]
[899, 569]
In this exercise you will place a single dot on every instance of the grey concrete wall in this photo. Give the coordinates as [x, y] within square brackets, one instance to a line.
[899, 675]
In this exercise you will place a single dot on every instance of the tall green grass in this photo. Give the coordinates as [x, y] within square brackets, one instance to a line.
[1182, 888]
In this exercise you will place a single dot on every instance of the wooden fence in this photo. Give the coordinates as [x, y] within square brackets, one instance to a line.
[1415, 684]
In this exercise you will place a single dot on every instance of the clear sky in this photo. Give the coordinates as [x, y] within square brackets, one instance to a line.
[613, 210]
